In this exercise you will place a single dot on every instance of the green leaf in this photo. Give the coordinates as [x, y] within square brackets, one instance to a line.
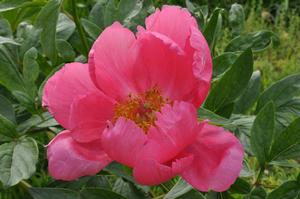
[240, 186]
[180, 188]
[30, 71]
[232, 84]
[6, 40]
[288, 112]
[128, 189]
[288, 190]
[216, 195]
[262, 133]
[110, 13]
[25, 100]
[213, 28]
[96, 15]
[17, 160]
[257, 41]
[248, 98]
[128, 9]
[28, 35]
[10, 77]
[91, 29]
[96, 193]
[65, 27]
[53, 193]
[5, 28]
[281, 91]
[37, 122]
[236, 19]
[256, 193]
[6, 109]
[7, 127]
[12, 4]
[49, 14]
[222, 62]
[287, 143]
[65, 50]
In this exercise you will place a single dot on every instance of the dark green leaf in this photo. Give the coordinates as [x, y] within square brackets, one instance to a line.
[288, 112]
[96, 193]
[128, 9]
[128, 189]
[12, 4]
[222, 62]
[288, 190]
[216, 195]
[236, 19]
[10, 77]
[213, 28]
[53, 193]
[6, 109]
[7, 127]
[49, 14]
[240, 186]
[17, 160]
[232, 84]
[248, 98]
[257, 41]
[262, 133]
[287, 143]
[256, 193]
[281, 91]
[25, 100]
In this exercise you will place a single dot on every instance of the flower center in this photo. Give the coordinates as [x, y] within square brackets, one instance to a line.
[141, 108]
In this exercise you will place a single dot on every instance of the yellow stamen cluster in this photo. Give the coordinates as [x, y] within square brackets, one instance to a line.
[141, 108]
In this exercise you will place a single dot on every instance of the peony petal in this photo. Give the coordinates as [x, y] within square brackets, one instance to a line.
[89, 116]
[163, 64]
[198, 51]
[176, 128]
[67, 160]
[123, 141]
[63, 87]
[218, 157]
[110, 60]
[172, 21]
[150, 172]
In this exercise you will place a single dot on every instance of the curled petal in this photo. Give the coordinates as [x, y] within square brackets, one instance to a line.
[218, 157]
[150, 172]
[111, 59]
[123, 141]
[176, 128]
[69, 160]
[89, 116]
[63, 87]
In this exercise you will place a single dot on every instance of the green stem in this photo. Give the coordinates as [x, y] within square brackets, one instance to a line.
[80, 29]
[259, 176]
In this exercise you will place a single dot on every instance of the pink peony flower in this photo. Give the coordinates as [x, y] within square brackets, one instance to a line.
[135, 103]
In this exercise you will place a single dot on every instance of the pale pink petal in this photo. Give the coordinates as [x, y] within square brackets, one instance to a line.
[63, 87]
[67, 160]
[218, 157]
[150, 172]
[172, 21]
[176, 128]
[89, 116]
[110, 60]
[161, 63]
[123, 141]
